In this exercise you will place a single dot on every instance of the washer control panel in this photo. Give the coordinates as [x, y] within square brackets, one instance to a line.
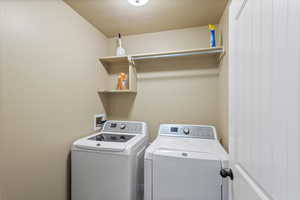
[123, 127]
[181, 130]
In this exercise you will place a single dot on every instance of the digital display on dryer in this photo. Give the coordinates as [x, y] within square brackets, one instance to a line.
[174, 129]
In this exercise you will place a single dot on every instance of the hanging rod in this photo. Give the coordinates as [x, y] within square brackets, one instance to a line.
[168, 55]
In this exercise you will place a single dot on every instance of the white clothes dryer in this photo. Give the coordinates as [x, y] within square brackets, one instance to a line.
[185, 163]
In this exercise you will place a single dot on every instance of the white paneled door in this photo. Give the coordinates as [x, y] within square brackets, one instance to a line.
[264, 90]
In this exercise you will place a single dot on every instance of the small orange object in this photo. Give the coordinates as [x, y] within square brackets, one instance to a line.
[122, 81]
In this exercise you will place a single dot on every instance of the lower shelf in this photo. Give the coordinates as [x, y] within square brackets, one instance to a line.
[117, 91]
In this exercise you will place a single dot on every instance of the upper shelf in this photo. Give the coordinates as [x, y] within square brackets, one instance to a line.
[126, 59]
[114, 59]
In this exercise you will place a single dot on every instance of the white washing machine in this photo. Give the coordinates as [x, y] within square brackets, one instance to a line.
[185, 163]
[109, 165]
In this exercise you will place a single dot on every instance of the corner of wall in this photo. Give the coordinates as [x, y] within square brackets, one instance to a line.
[223, 102]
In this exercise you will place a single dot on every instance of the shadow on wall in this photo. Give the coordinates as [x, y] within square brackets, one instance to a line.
[120, 104]
[180, 69]
[177, 64]
[68, 174]
[169, 91]
[123, 108]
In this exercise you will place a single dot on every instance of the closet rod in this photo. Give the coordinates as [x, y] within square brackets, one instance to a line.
[175, 55]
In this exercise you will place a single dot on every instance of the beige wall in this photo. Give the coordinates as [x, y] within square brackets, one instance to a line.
[163, 41]
[180, 91]
[49, 75]
[223, 90]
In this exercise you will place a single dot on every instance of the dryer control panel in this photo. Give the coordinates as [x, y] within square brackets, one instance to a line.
[182, 130]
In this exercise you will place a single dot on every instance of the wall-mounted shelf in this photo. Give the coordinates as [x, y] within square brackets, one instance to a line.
[117, 91]
[181, 53]
[107, 61]
[129, 60]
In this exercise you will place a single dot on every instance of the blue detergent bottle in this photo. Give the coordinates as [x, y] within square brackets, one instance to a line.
[212, 29]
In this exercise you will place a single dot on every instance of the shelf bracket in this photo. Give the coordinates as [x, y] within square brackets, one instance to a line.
[132, 75]
[221, 56]
[131, 61]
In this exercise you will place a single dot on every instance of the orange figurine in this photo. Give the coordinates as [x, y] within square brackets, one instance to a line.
[122, 81]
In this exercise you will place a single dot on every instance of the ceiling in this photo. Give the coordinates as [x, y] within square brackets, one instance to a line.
[118, 16]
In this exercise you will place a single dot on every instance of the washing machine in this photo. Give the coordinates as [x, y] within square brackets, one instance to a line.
[109, 165]
[185, 162]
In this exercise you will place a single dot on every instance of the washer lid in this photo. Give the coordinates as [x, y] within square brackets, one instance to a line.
[102, 146]
[94, 143]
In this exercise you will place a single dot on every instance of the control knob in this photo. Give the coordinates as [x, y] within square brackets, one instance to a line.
[186, 131]
[122, 126]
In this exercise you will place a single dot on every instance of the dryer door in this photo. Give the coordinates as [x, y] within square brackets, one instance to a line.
[179, 175]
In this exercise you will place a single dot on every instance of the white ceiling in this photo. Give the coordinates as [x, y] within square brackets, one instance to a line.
[118, 16]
